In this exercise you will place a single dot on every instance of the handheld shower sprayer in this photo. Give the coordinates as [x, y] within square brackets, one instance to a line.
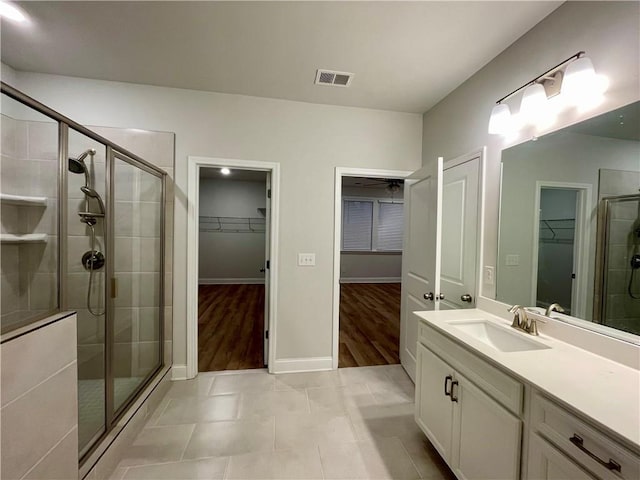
[90, 192]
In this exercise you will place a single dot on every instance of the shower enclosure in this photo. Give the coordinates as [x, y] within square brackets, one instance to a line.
[83, 230]
[619, 252]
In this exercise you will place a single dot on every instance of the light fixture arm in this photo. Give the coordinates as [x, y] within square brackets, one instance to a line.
[548, 75]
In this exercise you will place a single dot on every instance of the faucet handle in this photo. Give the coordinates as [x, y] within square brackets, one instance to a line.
[514, 309]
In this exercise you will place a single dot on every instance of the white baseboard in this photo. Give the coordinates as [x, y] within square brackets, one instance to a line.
[231, 281]
[371, 280]
[178, 372]
[312, 364]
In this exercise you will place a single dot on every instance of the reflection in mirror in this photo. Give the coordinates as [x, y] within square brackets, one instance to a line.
[570, 221]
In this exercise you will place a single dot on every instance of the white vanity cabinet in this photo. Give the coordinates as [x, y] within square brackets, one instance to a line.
[478, 436]
[562, 442]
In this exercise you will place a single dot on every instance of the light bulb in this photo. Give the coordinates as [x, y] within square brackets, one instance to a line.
[581, 86]
[225, 171]
[534, 103]
[12, 13]
[499, 121]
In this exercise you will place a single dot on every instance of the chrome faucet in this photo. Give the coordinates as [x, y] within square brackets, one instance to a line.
[554, 307]
[521, 321]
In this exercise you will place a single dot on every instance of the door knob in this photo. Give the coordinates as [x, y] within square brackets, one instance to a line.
[466, 298]
[262, 270]
[428, 296]
[440, 296]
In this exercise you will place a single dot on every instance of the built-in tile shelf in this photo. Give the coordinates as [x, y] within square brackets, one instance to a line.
[23, 200]
[10, 238]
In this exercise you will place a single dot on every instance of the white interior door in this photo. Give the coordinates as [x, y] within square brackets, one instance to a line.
[267, 266]
[460, 187]
[421, 256]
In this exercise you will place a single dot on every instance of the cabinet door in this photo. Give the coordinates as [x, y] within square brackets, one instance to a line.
[489, 435]
[434, 410]
[547, 463]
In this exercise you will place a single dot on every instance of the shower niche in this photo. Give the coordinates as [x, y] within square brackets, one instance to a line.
[83, 229]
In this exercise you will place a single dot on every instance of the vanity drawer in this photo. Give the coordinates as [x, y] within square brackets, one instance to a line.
[592, 449]
[497, 384]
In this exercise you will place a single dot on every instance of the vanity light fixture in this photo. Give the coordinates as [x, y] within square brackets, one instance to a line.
[578, 84]
[225, 171]
[11, 12]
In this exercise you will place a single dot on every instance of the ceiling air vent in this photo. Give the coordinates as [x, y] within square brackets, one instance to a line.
[333, 78]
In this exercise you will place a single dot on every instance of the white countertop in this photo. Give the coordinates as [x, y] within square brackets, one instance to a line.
[606, 392]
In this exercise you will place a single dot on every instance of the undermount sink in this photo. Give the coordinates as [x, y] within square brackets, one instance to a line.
[497, 337]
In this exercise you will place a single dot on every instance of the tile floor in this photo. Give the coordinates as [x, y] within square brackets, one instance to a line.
[354, 423]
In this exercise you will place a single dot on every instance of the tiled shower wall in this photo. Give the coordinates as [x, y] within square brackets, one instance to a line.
[622, 311]
[29, 168]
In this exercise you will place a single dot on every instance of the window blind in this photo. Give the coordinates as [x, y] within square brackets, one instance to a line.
[357, 224]
[390, 226]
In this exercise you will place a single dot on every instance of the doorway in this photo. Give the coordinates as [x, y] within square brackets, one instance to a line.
[232, 253]
[560, 253]
[367, 267]
[233, 232]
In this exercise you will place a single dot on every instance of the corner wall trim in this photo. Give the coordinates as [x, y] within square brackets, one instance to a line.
[231, 281]
[370, 280]
[311, 364]
[179, 372]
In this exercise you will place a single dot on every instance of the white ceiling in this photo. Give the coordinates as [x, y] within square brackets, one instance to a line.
[406, 56]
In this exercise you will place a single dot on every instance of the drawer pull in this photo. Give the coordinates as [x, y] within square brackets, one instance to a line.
[453, 399]
[447, 379]
[610, 465]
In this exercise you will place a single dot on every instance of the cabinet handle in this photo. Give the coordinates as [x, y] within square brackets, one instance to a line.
[447, 379]
[610, 465]
[454, 399]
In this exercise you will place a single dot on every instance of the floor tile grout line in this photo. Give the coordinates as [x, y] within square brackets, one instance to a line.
[410, 457]
[306, 393]
[155, 423]
[226, 468]
[184, 450]
[320, 458]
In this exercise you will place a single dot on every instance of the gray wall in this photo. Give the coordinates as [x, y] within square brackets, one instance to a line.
[227, 257]
[607, 31]
[308, 140]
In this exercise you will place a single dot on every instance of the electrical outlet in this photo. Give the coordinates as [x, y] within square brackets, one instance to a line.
[489, 275]
[512, 260]
[306, 259]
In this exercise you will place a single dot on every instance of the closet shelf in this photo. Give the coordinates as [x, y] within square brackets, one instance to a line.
[232, 224]
[25, 238]
[22, 200]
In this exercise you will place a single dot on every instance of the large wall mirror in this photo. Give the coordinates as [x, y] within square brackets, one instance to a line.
[570, 222]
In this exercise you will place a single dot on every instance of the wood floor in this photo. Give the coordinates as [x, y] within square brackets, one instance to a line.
[230, 327]
[369, 324]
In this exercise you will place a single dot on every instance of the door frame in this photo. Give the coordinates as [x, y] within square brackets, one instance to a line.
[341, 172]
[193, 193]
[580, 245]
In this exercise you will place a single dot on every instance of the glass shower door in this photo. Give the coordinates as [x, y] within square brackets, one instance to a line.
[136, 286]
[621, 276]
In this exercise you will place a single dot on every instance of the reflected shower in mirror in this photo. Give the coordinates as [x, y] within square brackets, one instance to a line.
[570, 221]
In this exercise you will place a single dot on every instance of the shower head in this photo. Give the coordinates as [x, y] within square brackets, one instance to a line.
[90, 192]
[77, 165]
